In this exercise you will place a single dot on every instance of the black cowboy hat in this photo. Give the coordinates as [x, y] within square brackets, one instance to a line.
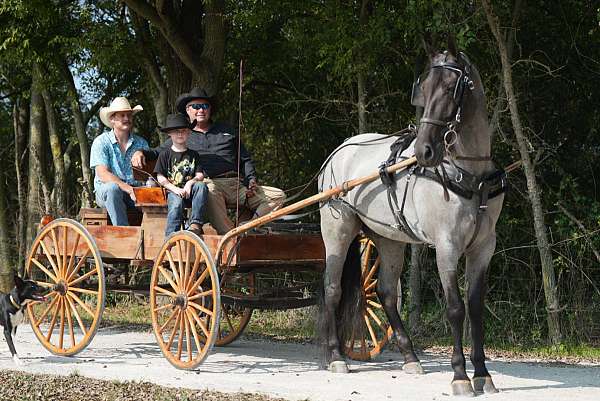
[177, 121]
[184, 99]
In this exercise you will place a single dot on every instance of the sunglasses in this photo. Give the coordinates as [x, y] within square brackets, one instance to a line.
[199, 106]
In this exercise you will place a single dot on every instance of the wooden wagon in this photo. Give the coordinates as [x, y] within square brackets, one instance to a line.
[202, 289]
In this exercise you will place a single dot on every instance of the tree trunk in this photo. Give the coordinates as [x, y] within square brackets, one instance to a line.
[548, 275]
[510, 45]
[361, 80]
[59, 190]
[79, 121]
[414, 283]
[36, 121]
[6, 262]
[20, 117]
[158, 88]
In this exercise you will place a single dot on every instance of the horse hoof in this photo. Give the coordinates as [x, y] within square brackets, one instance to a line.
[484, 385]
[413, 368]
[462, 388]
[338, 367]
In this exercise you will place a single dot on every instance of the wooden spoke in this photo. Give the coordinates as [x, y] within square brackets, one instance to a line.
[83, 291]
[180, 262]
[201, 295]
[64, 251]
[166, 276]
[62, 325]
[173, 315]
[80, 302]
[166, 292]
[44, 284]
[199, 281]
[375, 304]
[200, 323]
[165, 306]
[194, 332]
[53, 321]
[45, 313]
[79, 265]
[197, 260]
[186, 272]
[56, 253]
[371, 286]
[180, 337]
[172, 337]
[372, 271]
[70, 322]
[374, 317]
[370, 328]
[73, 255]
[77, 316]
[81, 278]
[228, 319]
[43, 268]
[173, 267]
[200, 308]
[188, 339]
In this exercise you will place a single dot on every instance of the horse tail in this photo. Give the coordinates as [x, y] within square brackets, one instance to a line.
[349, 318]
[348, 314]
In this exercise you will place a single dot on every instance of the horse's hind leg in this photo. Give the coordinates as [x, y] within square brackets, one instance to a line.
[389, 290]
[477, 262]
[339, 227]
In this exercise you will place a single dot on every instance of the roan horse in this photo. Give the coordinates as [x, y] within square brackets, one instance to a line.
[451, 201]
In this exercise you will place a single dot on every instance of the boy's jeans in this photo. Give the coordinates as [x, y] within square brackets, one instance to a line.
[116, 202]
[175, 203]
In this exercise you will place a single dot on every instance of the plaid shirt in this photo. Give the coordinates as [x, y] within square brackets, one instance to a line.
[106, 151]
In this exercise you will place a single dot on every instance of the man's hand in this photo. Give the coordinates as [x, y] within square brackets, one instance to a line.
[252, 187]
[138, 159]
[129, 189]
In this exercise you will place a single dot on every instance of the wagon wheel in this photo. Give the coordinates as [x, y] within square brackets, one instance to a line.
[65, 259]
[376, 329]
[234, 318]
[185, 311]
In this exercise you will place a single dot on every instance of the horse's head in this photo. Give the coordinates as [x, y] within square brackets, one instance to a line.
[440, 90]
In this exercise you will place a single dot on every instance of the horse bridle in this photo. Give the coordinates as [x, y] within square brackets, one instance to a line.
[462, 82]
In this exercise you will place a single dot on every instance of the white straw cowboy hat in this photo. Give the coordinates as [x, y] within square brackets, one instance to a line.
[118, 104]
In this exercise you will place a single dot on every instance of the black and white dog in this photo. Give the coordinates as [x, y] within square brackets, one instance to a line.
[11, 309]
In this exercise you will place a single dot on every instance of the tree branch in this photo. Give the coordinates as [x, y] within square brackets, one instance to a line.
[581, 227]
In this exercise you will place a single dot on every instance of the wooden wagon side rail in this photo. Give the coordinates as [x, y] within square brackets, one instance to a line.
[325, 195]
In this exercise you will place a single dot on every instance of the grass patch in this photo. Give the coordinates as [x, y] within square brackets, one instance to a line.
[21, 386]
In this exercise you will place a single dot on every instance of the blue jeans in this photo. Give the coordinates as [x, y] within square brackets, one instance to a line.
[175, 203]
[116, 202]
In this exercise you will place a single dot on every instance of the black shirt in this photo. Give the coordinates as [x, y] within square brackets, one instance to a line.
[178, 167]
[218, 151]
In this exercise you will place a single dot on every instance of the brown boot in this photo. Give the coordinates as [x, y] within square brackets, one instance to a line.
[196, 228]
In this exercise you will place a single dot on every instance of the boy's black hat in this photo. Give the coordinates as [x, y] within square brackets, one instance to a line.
[184, 99]
[177, 121]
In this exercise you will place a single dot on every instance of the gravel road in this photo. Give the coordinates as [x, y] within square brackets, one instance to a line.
[291, 371]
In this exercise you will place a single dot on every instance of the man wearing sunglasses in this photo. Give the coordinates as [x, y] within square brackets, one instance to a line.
[217, 144]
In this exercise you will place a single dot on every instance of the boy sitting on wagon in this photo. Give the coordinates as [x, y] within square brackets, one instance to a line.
[180, 172]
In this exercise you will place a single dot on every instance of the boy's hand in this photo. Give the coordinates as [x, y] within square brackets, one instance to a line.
[187, 189]
[179, 192]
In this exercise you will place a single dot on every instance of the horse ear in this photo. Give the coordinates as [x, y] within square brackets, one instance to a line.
[427, 45]
[452, 45]
[18, 281]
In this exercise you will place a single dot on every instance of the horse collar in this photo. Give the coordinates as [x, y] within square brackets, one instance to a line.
[12, 301]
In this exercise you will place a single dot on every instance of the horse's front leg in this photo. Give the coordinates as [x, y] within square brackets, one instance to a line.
[447, 259]
[477, 263]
